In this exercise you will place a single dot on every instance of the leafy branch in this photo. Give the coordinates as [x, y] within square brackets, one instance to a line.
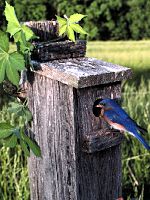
[67, 26]
[13, 128]
[15, 115]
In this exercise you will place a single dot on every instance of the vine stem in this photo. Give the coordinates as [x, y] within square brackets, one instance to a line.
[25, 102]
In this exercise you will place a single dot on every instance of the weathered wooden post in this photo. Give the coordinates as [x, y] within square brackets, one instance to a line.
[81, 157]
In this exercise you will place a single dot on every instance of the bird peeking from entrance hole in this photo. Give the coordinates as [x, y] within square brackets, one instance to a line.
[117, 118]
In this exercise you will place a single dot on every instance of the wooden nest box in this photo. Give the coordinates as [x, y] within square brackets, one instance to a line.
[81, 157]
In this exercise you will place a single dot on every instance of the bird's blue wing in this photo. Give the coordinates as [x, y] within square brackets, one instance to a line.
[125, 116]
[114, 117]
[122, 113]
[115, 106]
[128, 124]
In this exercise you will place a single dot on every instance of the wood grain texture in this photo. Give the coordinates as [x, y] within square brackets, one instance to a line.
[46, 51]
[100, 140]
[53, 177]
[83, 72]
[45, 30]
[62, 117]
[99, 176]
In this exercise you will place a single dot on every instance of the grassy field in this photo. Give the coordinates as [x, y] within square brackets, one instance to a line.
[14, 183]
[127, 53]
[136, 100]
[136, 165]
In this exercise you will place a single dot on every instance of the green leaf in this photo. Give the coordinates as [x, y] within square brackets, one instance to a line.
[70, 34]
[33, 146]
[25, 48]
[28, 32]
[12, 75]
[5, 130]
[10, 63]
[13, 23]
[23, 45]
[14, 27]
[61, 21]
[13, 63]
[20, 111]
[62, 29]
[27, 115]
[76, 17]
[14, 107]
[5, 134]
[2, 73]
[4, 42]
[11, 141]
[17, 61]
[24, 35]
[25, 148]
[4, 47]
[68, 25]
[19, 37]
[77, 28]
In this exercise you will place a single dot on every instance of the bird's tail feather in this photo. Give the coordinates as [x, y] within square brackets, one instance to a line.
[142, 130]
[141, 139]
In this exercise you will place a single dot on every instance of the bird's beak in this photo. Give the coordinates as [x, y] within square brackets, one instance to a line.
[99, 106]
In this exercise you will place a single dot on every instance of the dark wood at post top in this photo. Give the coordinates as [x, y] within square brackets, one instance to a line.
[82, 72]
[77, 71]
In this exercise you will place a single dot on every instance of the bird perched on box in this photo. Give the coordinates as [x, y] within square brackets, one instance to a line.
[117, 118]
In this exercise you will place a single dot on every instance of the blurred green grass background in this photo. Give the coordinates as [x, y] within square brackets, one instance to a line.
[14, 183]
[134, 54]
[136, 101]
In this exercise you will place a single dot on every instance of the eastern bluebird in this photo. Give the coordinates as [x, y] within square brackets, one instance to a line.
[116, 117]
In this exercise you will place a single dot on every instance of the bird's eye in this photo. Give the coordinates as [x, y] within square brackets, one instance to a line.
[103, 104]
